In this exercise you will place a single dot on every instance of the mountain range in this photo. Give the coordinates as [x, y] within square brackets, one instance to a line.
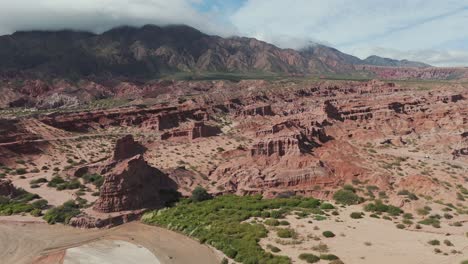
[152, 51]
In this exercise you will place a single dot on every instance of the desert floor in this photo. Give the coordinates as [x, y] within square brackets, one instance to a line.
[42, 243]
[370, 240]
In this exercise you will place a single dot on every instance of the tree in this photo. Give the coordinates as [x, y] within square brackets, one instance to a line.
[200, 194]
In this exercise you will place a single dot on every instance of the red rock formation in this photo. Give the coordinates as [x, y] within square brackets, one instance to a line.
[193, 131]
[127, 147]
[132, 184]
[262, 110]
[129, 182]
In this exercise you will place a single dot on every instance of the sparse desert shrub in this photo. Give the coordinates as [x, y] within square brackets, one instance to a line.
[37, 181]
[356, 215]
[273, 248]
[431, 221]
[284, 223]
[380, 207]
[95, 179]
[328, 234]
[224, 261]
[40, 204]
[285, 233]
[328, 257]
[21, 171]
[321, 247]
[434, 242]
[448, 216]
[56, 180]
[400, 226]
[407, 216]
[309, 258]
[326, 206]
[448, 243]
[36, 212]
[272, 222]
[336, 262]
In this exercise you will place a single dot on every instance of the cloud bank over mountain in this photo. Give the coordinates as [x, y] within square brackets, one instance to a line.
[426, 30]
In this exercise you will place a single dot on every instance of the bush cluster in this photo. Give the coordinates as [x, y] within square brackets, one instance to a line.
[347, 197]
[63, 213]
[380, 207]
[309, 258]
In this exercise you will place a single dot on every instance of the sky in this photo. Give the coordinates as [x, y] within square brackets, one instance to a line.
[431, 31]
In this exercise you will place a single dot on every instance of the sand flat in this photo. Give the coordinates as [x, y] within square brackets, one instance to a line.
[109, 252]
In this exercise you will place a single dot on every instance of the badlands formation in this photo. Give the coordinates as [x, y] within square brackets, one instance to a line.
[404, 142]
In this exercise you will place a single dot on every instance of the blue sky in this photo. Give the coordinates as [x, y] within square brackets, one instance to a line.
[432, 31]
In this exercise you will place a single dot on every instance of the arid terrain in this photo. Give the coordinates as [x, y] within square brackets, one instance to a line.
[404, 143]
[114, 146]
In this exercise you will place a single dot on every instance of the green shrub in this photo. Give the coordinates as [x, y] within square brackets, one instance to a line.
[56, 180]
[273, 248]
[400, 226]
[95, 179]
[37, 181]
[21, 171]
[284, 223]
[356, 215]
[224, 261]
[434, 242]
[328, 257]
[328, 234]
[448, 243]
[200, 194]
[36, 212]
[309, 258]
[62, 214]
[40, 204]
[272, 222]
[346, 197]
[18, 204]
[380, 207]
[326, 206]
[431, 221]
[285, 233]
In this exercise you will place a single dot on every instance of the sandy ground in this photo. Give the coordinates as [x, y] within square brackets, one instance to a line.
[109, 252]
[370, 241]
[42, 243]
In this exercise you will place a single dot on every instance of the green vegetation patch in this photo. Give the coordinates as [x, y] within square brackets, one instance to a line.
[221, 223]
[63, 213]
[18, 204]
[347, 196]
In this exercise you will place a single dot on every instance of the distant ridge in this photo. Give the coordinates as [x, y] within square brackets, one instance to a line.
[387, 62]
[151, 51]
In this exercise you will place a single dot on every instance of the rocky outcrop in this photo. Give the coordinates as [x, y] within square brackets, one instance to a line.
[127, 147]
[192, 131]
[87, 221]
[129, 182]
[253, 110]
[130, 185]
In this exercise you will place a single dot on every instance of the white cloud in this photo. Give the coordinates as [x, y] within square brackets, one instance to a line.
[101, 15]
[359, 26]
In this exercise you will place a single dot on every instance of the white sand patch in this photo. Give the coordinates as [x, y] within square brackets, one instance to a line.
[109, 252]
